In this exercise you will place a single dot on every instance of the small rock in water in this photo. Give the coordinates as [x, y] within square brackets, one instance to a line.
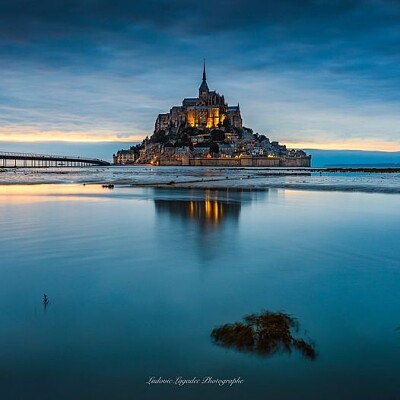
[45, 300]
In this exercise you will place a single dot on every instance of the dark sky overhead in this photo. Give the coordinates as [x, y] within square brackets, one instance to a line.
[322, 74]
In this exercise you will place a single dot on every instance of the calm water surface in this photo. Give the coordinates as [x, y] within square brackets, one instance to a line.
[137, 278]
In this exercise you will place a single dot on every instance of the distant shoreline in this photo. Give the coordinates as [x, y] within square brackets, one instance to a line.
[306, 169]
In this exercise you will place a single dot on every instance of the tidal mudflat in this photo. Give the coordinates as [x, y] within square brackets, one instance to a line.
[369, 180]
[137, 278]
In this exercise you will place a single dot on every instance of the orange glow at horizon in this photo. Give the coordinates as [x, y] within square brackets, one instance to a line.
[8, 135]
[61, 136]
[363, 145]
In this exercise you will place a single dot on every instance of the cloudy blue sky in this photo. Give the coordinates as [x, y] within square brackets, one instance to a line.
[309, 73]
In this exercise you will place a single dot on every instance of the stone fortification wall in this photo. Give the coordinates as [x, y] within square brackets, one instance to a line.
[215, 162]
[252, 162]
[295, 162]
[243, 162]
[171, 163]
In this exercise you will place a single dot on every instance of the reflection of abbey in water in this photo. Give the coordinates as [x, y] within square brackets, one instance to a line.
[199, 218]
[209, 207]
[210, 211]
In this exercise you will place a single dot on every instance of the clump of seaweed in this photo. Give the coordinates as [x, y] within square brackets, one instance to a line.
[265, 334]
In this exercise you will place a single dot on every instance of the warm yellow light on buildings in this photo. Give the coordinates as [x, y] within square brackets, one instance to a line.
[191, 118]
[208, 117]
[212, 117]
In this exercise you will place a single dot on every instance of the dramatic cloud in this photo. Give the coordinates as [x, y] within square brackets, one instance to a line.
[316, 72]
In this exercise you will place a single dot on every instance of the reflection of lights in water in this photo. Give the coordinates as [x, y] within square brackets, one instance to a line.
[191, 209]
[216, 213]
[209, 210]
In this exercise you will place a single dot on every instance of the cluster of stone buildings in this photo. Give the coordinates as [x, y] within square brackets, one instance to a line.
[233, 151]
[205, 130]
[237, 149]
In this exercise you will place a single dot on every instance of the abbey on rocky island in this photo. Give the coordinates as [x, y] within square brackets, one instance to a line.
[206, 131]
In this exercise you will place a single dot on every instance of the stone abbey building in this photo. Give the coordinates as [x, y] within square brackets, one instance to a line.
[208, 110]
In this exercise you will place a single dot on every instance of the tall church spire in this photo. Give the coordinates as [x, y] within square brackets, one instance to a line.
[203, 89]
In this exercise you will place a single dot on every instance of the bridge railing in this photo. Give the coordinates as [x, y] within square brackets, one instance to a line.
[35, 155]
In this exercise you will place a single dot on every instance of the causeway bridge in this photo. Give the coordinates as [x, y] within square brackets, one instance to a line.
[32, 160]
